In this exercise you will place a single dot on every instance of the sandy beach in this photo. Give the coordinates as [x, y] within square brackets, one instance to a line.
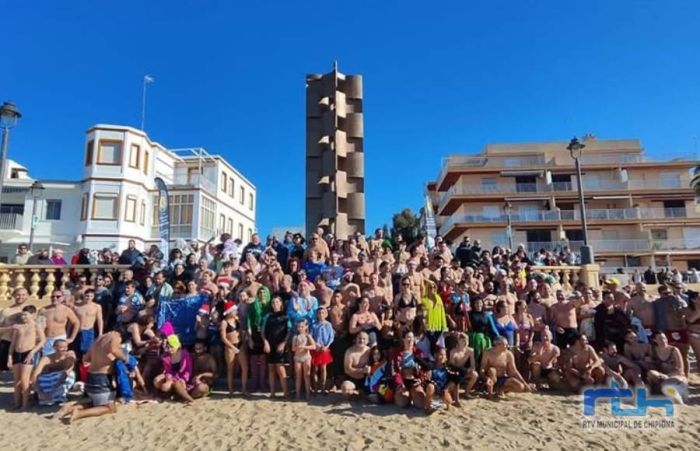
[533, 421]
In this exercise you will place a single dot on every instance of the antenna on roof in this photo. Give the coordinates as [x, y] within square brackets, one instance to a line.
[335, 65]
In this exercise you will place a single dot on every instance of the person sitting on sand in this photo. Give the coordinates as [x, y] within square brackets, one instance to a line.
[500, 372]
[584, 367]
[27, 339]
[53, 375]
[463, 361]
[445, 380]
[410, 377]
[639, 353]
[668, 367]
[619, 368]
[177, 371]
[544, 361]
[356, 365]
[204, 370]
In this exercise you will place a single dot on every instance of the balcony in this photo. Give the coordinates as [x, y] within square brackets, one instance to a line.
[621, 214]
[195, 181]
[613, 246]
[589, 186]
[11, 221]
[466, 162]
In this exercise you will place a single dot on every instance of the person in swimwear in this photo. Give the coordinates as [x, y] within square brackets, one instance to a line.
[499, 371]
[444, 379]
[463, 361]
[584, 366]
[410, 377]
[302, 345]
[544, 361]
[27, 339]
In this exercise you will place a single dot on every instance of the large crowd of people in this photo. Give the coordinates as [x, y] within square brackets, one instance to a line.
[381, 318]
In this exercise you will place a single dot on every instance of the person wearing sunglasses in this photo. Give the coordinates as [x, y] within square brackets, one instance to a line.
[58, 317]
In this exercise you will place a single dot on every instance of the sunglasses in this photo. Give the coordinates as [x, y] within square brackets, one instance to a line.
[56, 296]
[405, 284]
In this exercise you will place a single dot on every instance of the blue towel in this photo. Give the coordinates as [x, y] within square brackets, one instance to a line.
[121, 375]
[182, 314]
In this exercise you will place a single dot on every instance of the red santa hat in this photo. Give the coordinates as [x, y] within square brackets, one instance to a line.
[229, 308]
[203, 309]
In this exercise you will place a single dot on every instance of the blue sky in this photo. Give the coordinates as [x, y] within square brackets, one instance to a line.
[439, 77]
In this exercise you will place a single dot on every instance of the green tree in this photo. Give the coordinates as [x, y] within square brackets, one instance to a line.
[406, 224]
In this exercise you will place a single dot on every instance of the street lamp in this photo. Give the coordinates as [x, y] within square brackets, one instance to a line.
[508, 207]
[36, 190]
[9, 115]
[576, 150]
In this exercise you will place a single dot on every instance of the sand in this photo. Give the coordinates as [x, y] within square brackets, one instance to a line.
[523, 422]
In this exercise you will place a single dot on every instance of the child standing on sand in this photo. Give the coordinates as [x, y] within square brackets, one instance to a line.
[302, 345]
[27, 339]
[323, 334]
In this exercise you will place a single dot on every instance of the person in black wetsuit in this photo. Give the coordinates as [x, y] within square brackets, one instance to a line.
[275, 332]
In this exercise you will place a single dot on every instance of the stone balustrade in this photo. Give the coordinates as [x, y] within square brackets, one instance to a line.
[568, 276]
[40, 280]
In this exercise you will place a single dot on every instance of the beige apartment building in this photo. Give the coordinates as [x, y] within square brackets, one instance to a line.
[640, 212]
[335, 163]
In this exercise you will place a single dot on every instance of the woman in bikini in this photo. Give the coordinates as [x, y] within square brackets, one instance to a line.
[409, 377]
[405, 302]
[229, 330]
[524, 323]
[668, 368]
[692, 320]
[365, 320]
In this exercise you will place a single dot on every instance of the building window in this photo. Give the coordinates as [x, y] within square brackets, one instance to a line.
[142, 213]
[84, 207]
[180, 210]
[130, 210]
[53, 209]
[110, 152]
[242, 197]
[89, 152]
[489, 185]
[105, 207]
[146, 156]
[134, 156]
[222, 224]
[250, 235]
[208, 214]
[230, 187]
[250, 201]
[659, 234]
[224, 179]
[229, 229]
[240, 232]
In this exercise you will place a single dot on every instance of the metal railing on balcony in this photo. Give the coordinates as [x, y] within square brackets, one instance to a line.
[624, 245]
[11, 221]
[479, 161]
[569, 215]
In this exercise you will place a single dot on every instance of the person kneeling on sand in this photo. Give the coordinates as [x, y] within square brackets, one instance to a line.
[544, 361]
[584, 366]
[500, 372]
[104, 352]
[356, 365]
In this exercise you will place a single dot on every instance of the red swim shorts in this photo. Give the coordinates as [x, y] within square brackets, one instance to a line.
[677, 336]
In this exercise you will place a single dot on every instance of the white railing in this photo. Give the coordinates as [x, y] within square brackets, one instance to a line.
[570, 215]
[624, 245]
[10, 221]
[195, 180]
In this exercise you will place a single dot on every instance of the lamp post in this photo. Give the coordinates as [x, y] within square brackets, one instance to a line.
[576, 150]
[36, 189]
[508, 207]
[9, 115]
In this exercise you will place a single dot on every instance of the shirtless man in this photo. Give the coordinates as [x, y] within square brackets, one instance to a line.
[639, 353]
[90, 314]
[377, 294]
[363, 271]
[59, 319]
[415, 278]
[544, 361]
[8, 317]
[101, 356]
[462, 359]
[204, 370]
[584, 366]
[356, 365]
[375, 244]
[642, 306]
[249, 284]
[51, 389]
[619, 368]
[317, 252]
[322, 292]
[621, 298]
[27, 339]
[563, 317]
[669, 317]
[385, 281]
[499, 371]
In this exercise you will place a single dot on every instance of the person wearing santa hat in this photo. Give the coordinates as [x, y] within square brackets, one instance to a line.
[229, 329]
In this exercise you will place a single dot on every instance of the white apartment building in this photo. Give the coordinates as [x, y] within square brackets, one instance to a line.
[116, 199]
